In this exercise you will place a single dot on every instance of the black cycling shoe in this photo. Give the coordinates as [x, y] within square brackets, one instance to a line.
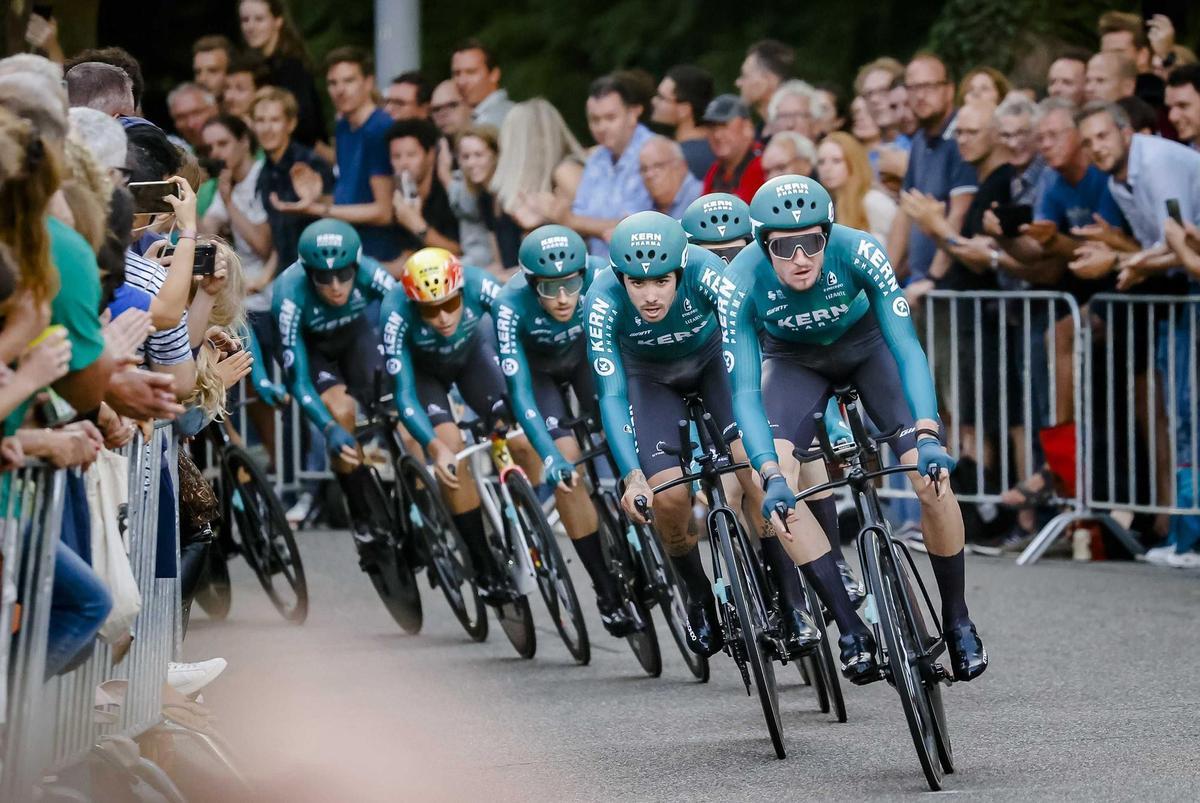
[704, 629]
[372, 549]
[968, 656]
[855, 589]
[615, 618]
[493, 591]
[858, 658]
[800, 635]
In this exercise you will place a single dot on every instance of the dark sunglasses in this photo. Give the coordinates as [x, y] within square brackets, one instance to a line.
[550, 288]
[429, 311]
[811, 244]
[727, 252]
[341, 275]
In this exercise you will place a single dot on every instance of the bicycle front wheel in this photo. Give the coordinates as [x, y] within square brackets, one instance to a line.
[822, 670]
[671, 596]
[216, 595]
[386, 563]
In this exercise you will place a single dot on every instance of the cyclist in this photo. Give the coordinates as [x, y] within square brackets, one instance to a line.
[434, 337]
[653, 335]
[330, 351]
[539, 326]
[827, 306]
[720, 222]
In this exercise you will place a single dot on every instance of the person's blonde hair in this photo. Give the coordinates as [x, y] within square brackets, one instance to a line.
[87, 190]
[229, 313]
[534, 140]
[30, 174]
[848, 201]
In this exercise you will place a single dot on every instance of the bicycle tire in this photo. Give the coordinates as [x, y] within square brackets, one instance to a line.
[448, 557]
[215, 597]
[553, 579]
[516, 620]
[644, 642]
[671, 596]
[390, 572]
[825, 672]
[886, 585]
[268, 543]
[933, 690]
[762, 668]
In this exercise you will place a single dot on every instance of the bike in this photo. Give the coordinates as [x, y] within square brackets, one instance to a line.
[907, 651]
[523, 544]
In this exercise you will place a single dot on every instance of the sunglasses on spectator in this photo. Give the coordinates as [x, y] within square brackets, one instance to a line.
[550, 288]
[811, 243]
[727, 252]
[431, 310]
[341, 275]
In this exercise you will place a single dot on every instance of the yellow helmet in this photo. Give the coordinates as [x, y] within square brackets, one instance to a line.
[431, 275]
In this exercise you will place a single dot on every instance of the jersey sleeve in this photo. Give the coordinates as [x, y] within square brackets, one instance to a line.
[258, 369]
[508, 315]
[393, 313]
[481, 284]
[873, 274]
[288, 305]
[373, 279]
[602, 312]
[743, 356]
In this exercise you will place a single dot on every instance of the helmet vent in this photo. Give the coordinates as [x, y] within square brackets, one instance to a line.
[788, 204]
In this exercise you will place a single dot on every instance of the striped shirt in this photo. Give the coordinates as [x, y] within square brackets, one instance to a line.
[169, 346]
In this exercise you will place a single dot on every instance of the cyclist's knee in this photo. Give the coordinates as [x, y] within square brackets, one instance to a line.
[341, 406]
[568, 447]
[927, 492]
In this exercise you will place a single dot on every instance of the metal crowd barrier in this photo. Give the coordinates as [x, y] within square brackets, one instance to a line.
[53, 725]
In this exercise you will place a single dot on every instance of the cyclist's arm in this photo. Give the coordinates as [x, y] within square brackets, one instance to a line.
[288, 308]
[484, 287]
[513, 364]
[604, 353]
[258, 369]
[743, 359]
[393, 315]
[373, 279]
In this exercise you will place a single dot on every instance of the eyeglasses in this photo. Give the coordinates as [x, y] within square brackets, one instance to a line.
[341, 275]
[1015, 136]
[432, 310]
[876, 93]
[925, 87]
[811, 243]
[445, 107]
[727, 252]
[655, 167]
[550, 288]
[963, 133]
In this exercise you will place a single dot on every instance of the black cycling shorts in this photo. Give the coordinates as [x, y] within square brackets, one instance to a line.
[550, 373]
[798, 379]
[351, 355]
[656, 391]
[476, 374]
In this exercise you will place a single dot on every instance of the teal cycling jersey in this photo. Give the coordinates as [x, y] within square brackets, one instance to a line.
[408, 338]
[523, 327]
[856, 278]
[615, 329]
[299, 311]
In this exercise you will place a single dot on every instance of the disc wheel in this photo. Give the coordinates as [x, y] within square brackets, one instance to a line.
[216, 595]
[823, 671]
[386, 564]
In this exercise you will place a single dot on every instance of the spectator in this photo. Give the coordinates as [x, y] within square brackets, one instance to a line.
[408, 97]
[104, 137]
[935, 169]
[1142, 117]
[191, 106]
[1067, 78]
[844, 170]
[120, 58]
[100, 86]
[738, 169]
[611, 188]
[242, 80]
[874, 85]
[680, 100]
[789, 153]
[1125, 35]
[792, 108]
[448, 110]
[475, 72]
[905, 116]
[1110, 77]
[1183, 101]
[1014, 131]
[829, 113]
[664, 170]
[862, 124]
[421, 203]
[362, 194]
[211, 57]
[768, 64]
[269, 31]
[982, 85]
[275, 115]
[470, 194]
[540, 165]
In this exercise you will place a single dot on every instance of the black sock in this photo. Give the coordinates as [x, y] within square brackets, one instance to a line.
[354, 485]
[470, 527]
[691, 571]
[827, 582]
[784, 570]
[592, 556]
[825, 512]
[951, 580]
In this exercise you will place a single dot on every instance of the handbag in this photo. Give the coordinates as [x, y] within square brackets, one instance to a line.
[107, 484]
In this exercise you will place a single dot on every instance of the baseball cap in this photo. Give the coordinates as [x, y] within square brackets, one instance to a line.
[724, 108]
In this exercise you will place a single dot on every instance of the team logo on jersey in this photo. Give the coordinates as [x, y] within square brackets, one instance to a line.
[289, 357]
[604, 366]
[325, 376]
[434, 409]
[531, 414]
[551, 422]
[832, 280]
[393, 366]
[508, 366]
[774, 295]
[408, 411]
[687, 305]
[900, 307]
[728, 355]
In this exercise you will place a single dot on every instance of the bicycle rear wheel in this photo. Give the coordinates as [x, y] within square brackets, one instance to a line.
[821, 667]
[449, 560]
[671, 596]
[387, 566]
[266, 537]
[553, 579]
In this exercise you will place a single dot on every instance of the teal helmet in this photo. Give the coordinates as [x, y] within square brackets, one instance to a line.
[648, 245]
[788, 203]
[717, 218]
[329, 244]
[552, 251]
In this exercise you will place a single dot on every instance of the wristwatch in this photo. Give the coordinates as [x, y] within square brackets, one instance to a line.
[995, 258]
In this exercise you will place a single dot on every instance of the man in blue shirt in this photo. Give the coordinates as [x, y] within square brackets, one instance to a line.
[611, 188]
[665, 172]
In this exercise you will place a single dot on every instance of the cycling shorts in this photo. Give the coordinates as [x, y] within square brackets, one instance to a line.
[550, 373]
[476, 374]
[656, 400]
[798, 379]
[351, 355]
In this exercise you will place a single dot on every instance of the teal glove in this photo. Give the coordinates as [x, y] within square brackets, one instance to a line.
[932, 455]
[777, 493]
[558, 469]
[271, 393]
[336, 438]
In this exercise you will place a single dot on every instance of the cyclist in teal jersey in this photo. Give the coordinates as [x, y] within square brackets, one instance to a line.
[269, 392]
[653, 336]
[436, 335]
[720, 222]
[330, 352]
[539, 328]
[826, 305]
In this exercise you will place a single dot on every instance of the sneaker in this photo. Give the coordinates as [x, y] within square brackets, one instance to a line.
[188, 679]
[298, 513]
[1184, 560]
[1160, 555]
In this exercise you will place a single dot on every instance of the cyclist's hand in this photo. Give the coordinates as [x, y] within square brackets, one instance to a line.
[935, 464]
[445, 463]
[341, 444]
[271, 393]
[560, 471]
[778, 501]
[635, 486]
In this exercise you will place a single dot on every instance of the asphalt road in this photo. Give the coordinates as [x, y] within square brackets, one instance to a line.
[1093, 693]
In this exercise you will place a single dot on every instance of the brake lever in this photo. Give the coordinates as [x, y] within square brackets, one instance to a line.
[781, 510]
[643, 507]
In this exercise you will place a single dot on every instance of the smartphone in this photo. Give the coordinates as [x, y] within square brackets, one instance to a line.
[1012, 217]
[408, 187]
[53, 410]
[1173, 210]
[148, 196]
[205, 263]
